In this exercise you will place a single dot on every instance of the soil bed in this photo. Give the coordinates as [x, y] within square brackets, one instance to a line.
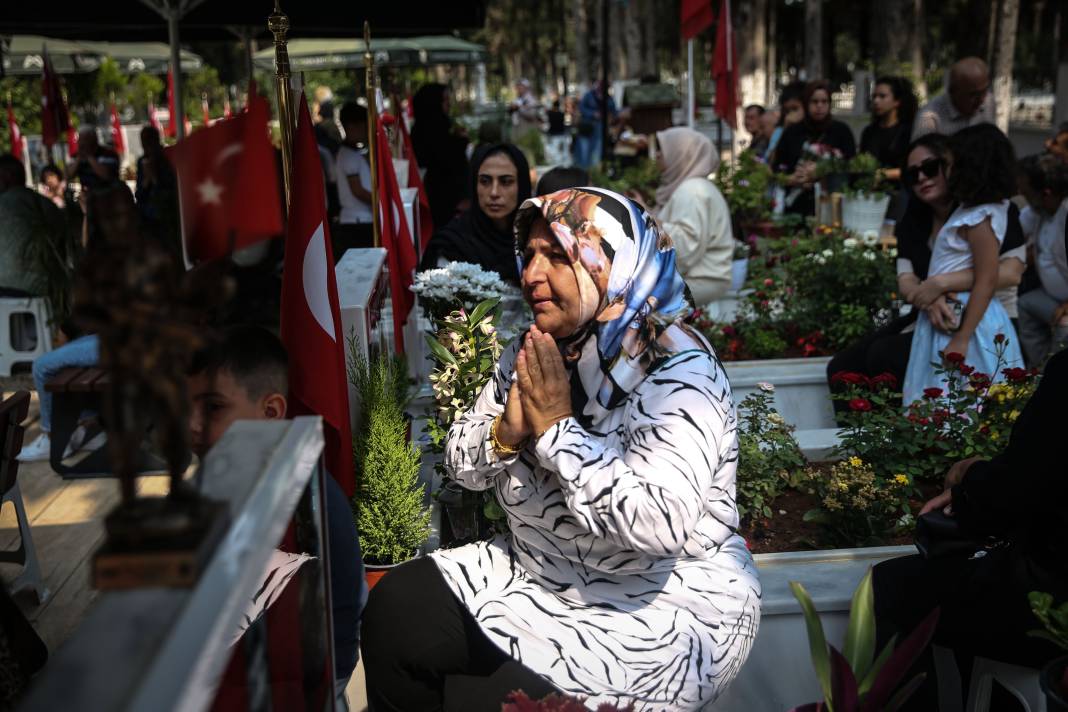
[788, 531]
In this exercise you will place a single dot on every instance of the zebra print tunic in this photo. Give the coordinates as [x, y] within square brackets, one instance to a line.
[624, 579]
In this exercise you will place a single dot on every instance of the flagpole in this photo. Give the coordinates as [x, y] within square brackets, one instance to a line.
[176, 72]
[372, 131]
[278, 24]
[691, 100]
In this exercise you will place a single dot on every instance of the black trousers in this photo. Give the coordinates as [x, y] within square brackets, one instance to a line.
[422, 649]
[885, 350]
[983, 610]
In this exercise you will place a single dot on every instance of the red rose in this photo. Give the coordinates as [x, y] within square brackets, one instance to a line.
[932, 393]
[999, 338]
[850, 378]
[986, 428]
[729, 330]
[954, 357]
[768, 282]
[980, 380]
[886, 380]
[1015, 374]
[966, 369]
[861, 404]
[924, 421]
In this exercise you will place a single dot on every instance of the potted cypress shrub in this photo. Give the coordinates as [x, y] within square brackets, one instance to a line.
[391, 517]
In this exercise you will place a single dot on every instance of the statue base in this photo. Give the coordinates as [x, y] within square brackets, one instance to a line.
[159, 542]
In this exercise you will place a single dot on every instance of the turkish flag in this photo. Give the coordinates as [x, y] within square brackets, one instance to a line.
[695, 17]
[54, 117]
[311, 317]
[172, 125]
[153, 120]
[227, 186]
[725, 67]
[13, 130]
[72, 142]
[117, 139]
[400, 252]
[426, 220]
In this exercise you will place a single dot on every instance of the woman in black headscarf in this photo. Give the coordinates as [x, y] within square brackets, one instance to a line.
[818, 133]
[441, 150]
[483, 235]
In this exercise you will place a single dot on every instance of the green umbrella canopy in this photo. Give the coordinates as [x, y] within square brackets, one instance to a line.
[23, 55]
[311, 54]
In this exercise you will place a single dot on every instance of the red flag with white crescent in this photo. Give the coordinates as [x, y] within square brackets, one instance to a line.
[227, 186]
[54, 117]
[414, 180]
[396, 238]
[725, 67]
[15, 133]
[117, 139]
[311, 316]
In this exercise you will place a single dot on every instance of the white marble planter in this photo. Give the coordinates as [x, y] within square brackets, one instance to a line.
[778, 674]
[802, 395]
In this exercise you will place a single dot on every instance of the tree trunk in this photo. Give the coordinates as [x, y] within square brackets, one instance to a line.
[1006, 48]
[889, 34]
[992, 31]
[647, 25]
[582, 42]
[772, 55]
[814, 39]
[919, 39]
[751, 43]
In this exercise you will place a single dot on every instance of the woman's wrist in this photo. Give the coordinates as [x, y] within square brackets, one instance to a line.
[503, 440]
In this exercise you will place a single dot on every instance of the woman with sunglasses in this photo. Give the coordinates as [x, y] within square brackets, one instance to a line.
[887, 349]
[980, 176]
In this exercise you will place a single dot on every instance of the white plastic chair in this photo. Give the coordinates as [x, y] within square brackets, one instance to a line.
[1022, 682]
[11, 352]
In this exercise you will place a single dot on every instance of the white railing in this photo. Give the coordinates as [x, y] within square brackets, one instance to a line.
[166, 649]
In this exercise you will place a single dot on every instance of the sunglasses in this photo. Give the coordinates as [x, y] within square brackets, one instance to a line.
[930, 168]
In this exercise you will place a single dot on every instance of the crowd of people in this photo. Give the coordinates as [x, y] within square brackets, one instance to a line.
[607, 431]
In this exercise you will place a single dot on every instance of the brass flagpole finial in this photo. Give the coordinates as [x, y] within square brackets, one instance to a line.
[278, 24]
[372, 133]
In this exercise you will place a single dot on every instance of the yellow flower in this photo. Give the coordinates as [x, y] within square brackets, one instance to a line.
[856, 461]
[993, 435]
[1014, 415]
[901, 479]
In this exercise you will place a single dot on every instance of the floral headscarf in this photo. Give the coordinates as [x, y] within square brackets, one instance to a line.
[632, 297]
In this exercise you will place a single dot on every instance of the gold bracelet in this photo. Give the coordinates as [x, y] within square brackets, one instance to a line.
[501, 448]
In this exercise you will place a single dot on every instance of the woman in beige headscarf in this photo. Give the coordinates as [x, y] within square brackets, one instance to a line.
[692, 211]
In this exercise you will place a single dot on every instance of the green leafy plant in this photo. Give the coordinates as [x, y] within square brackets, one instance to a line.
[807, 295]
[855, 679]
[465, 349]
[767, 453]
[970, 417]
[382, 382]
[643, 177]
[745, 186]
[1053, 618]
[858, 508]
[865, 176]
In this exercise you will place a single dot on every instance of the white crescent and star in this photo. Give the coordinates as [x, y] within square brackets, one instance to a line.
[211, 192]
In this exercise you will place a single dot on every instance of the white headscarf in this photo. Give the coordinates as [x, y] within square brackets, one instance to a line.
[687, 154]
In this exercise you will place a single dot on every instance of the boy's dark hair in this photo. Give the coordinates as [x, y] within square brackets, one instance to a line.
[1045, 172]
[254, 356]
[560, 178]
[353, 113]
[984, 166]
[760, 109]
[12, 171]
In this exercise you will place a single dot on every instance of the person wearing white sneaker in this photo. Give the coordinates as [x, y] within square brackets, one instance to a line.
[83, 351]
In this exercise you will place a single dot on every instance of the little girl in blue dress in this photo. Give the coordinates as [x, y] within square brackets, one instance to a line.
[982, 178]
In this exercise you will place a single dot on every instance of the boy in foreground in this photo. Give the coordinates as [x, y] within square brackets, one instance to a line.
[243, 375]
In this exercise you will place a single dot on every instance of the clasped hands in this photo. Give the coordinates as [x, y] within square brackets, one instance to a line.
[540, 397]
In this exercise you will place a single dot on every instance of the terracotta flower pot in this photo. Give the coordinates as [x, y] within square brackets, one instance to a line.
[373, 573]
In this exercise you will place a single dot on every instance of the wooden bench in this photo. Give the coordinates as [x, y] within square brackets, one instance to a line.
[76, 391]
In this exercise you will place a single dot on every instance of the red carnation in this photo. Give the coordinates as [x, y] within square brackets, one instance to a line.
[954, 357]
[932, 393]
[861, 404]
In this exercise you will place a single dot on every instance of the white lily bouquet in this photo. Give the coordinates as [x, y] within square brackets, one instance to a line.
[459, 285]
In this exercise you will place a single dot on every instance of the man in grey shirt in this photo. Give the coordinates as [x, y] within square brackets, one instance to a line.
[965, 103]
